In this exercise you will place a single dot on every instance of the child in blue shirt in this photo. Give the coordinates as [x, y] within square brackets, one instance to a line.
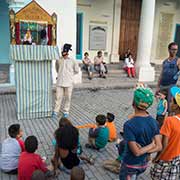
[141, 133]
[11, 150]
[98, 137]
[162, 107]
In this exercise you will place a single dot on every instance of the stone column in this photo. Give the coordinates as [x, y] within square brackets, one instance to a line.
[144, 70]
[114, 56]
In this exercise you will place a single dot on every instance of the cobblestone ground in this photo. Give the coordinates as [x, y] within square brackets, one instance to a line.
[85, 106]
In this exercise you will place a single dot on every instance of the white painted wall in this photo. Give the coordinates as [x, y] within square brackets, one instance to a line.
[161, 6]
[66, 24]
[96, 10]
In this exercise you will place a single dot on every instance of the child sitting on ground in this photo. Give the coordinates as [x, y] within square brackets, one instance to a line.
[62, 122]
[114, 165]
[162, 107]
[11, 149]
[111, 126]
[77, 173]
[98, 137]
[29, 161]
[67, 138]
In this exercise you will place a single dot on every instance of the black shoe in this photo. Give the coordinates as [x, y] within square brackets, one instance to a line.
[88, 146]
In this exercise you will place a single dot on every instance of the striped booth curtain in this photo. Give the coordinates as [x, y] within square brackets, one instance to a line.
[33, 79]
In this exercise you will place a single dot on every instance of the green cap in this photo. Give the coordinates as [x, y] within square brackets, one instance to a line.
[143, 98]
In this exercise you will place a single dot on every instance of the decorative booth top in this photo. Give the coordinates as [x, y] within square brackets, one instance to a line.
[32, 25]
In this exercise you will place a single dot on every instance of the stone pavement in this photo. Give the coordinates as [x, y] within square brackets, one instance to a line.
[85, 106]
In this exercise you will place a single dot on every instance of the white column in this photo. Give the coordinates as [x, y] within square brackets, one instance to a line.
[145, 71]
[114, 56]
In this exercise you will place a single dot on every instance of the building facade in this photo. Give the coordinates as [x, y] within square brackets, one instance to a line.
[144, 26]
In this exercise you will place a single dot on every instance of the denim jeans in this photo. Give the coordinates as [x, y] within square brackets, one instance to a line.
[127, 173]
[88, 68]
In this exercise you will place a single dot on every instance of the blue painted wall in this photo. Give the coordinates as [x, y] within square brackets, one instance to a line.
[4, 33]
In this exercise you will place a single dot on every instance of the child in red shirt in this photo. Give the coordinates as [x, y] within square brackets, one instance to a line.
[29, 161]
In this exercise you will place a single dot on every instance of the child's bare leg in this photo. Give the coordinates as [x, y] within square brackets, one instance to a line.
[55, 161]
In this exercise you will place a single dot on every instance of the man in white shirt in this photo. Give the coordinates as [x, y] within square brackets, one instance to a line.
[100, 65]
[66, 68]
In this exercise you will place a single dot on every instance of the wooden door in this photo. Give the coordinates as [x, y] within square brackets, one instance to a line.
[129, 29]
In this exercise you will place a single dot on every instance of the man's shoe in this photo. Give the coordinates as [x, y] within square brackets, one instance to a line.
[65, 115]
[54, 115]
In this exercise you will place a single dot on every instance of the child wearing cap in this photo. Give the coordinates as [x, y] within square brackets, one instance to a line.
[111, 126]
[167, 162]
[98, 137]
[141, 133]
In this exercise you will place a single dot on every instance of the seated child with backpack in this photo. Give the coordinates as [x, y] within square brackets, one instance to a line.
[98, 137]
[11, 150]
[111, 126]
[29, 161]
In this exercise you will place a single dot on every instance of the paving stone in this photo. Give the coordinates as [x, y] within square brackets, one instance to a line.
[84, 108]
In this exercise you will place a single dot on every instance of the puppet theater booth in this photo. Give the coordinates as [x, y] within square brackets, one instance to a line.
[33, 47]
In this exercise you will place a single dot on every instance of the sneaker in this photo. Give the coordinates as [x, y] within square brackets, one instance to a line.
[65, 115]
[54, 115]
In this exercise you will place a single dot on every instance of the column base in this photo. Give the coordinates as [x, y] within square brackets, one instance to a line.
[146, 74]
[114, 58]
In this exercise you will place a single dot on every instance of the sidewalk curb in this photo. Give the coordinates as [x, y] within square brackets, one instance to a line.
[12, 90]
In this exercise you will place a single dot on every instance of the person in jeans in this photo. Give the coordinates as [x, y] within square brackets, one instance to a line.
[141, 133]
[66, 67]
[100, 65]
[170, 69]
[88, 65]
